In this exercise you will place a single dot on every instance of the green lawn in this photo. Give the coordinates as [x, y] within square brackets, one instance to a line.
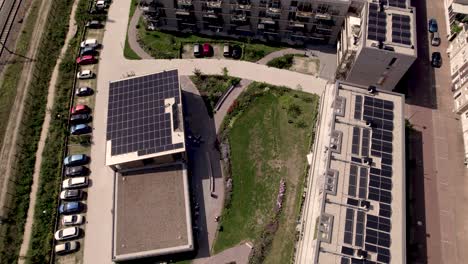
[164, 45]
[269, 140]
[212, 87]
[128, 52]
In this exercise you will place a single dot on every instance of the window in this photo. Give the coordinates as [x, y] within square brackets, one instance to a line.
[392, 62]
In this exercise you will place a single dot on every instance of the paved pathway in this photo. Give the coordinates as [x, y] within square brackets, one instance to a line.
[221, 113]
[42, 140]
[279, 53]
[133, 36]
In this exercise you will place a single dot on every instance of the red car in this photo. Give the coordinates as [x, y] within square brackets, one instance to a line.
[207, 50]
[80, 109]
[87, 59]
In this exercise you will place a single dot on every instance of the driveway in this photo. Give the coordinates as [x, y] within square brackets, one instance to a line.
[113, 66]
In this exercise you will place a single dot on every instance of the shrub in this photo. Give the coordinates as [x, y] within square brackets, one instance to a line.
[284, 62]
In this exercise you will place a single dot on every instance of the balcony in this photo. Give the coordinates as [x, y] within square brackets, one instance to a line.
[239, 18]
[306, 14]
[182, 12]
[267, 21]
[214, 4]
[184, 3]
[210, 14]
[323, 16]
[296, 25]
[243, 5]
[273, 11]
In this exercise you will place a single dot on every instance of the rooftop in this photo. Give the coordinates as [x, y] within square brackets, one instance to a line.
[144, 118]
[363, 204]
[394, 24]
[152, 213]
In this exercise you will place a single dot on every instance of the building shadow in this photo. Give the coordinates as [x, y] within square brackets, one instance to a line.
[416, 234]
[418, 82]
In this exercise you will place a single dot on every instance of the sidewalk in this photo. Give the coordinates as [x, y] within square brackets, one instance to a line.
[133, 36]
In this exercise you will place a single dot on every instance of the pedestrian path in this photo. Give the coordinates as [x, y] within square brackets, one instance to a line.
[133, 36]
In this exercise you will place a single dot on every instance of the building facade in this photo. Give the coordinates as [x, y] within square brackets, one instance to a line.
[456, 12]
[377, 44]
[289, 21]
[458, 53]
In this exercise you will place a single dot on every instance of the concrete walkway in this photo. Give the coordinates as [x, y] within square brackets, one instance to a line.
[279, 53]
[133, 36]
[44, 132]
[221, 113]
[238, 254]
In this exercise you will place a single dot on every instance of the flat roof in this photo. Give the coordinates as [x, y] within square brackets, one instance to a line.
[393, 23]
[363, 203]
[144, 118]
[152, 213]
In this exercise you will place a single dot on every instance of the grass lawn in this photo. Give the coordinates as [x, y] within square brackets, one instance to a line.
[128, 52]
[212, 87]
[164, 45]
[269, 140]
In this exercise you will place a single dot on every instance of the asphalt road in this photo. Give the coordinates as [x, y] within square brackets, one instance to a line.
[438, 194]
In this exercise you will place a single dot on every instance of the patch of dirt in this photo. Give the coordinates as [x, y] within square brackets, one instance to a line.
[306, 65]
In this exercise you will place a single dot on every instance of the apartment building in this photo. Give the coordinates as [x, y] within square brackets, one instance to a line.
[378, 44]
[458, 53]
[456, 12]
[289, 21]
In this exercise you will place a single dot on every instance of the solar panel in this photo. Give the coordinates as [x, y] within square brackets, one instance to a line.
[401, 29]
[358, 107]
[397, 3]
[377, 24]
[352, 180]
[345, 260]
[348, 234]
[137, 120]
[347, 251]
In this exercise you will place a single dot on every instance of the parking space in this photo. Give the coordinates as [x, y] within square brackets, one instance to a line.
[216, 50]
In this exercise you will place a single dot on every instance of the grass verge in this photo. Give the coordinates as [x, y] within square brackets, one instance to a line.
[212, 87]
[43, 227]
[268, 130]
[168, 45]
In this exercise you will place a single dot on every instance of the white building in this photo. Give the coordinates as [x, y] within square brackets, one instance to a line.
[456, 11]
[378, 44]
[458, 53]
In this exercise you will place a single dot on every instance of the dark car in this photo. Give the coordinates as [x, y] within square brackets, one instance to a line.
[433, 25]
[71, 208]
[236, 52]
[436, 60]
[84, 91]
[88, 51]
[80, 119]
[75, 160]
[76, 171]
[95, 24]
[80, 129]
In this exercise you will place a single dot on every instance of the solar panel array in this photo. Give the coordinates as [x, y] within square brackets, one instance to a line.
[136, 119]
[401, 29]
[371, 232]
[377, 24]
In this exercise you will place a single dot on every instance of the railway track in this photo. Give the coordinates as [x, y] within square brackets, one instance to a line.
[8, 11]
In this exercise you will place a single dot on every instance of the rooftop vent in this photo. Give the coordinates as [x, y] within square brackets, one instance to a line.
[372, 89]
[361, 254]
[367, 161]
[364, 204]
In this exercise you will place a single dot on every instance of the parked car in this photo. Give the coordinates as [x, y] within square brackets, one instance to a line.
[67, 248]
[433, 25]
[88, 51]
[207, 50]
[74, 183]
[80, 129]
[84, 91]
[71, 208]
[101, 4]
[435, 41]
[67, 233]
[227, 50]
[85, 74]
[236, 52]
[197, 50]
[75, 160]
[80, 109]
[80, 119]
[94, 24]
[436, 60]
[76, 171]
[71, 195]
[70, 220]
[86, 59]
[89, 43]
